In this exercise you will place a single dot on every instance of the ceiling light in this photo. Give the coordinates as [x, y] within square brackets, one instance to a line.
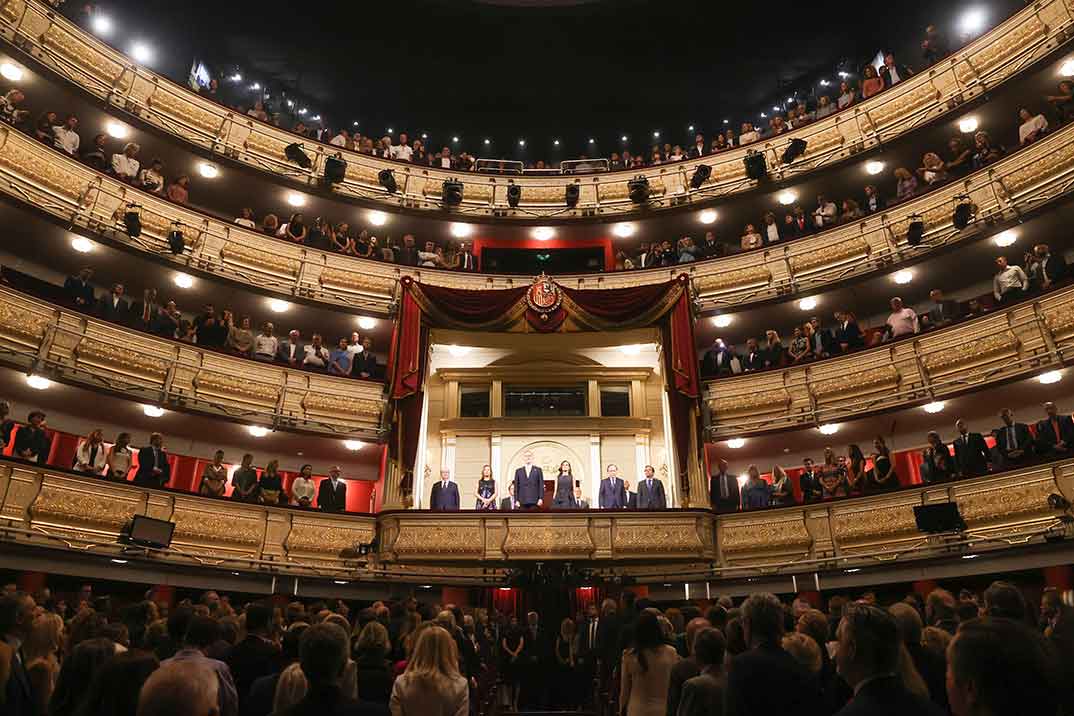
[366, 323]
[934, 407]
[633, 349]
[775, 109]
[257, 431]
[844, 75]
[423, 134]
[787, 197]
[237, 77]
[118, 561]
[808, 303]
[141, 52]
[102, 24]
[828, 429]
[461, 231]
[764, 116]
[656, 134]
[903, 277]
[591, 140]
[255, 86]
[967, 125]
[295, 199]
[339, 581]
[969, 556]
[377, 218]
[722, 321]
[623, 138]
[736, 443]
[207, 170]
[824, 83]
[555, 142]
[11, 72]
[455, 139]
[81, 244]
[303, 110]
[1067, 68]
[874, 167]
[707, 216]
[316, 118]
[624, 230]
[1052, 376]
[353, 445]
[727, 121]
[973, 21]
[458, 351]
[183, 280]
[116, 130]
[1005, 238]
[543, 233]
[38, 382]
[277, 306]
[690, 128]
[152, 411]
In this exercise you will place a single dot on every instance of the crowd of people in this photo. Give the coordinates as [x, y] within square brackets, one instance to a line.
[932, 654]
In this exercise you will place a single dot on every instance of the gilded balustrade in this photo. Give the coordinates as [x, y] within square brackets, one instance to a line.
[53, 509]
[1014, 343]
[991, 59]
[41, 337]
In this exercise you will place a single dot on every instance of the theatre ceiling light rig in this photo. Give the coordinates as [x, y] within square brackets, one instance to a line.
[571, 192]
[514, 195]
[638, 189]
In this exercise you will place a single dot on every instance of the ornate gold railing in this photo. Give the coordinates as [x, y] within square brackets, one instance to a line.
[999, 54]
[1014, 343]
[55, 509]
[40, 337]
[68, 190]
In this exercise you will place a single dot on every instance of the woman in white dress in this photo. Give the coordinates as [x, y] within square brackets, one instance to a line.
[646, 671]
[119, 458]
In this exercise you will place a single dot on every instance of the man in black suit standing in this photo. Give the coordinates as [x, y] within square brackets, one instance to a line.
[723, 490]
[79, 290]
[1053, 267]
[868, 660]
[256, 655]
[943, 312]
[332, 493]
[114, 307]
[1014, 444]
[1055, 434]
[509, 502]
[651, 492]
[809, 481]
[31, 441]
[613, 495]
[631, 497]
[752, 359]
[16, 619]
[153, 467]
[719, 360]
[529, 483]
[971, 452]
[445, 496]
[588, 652]
[292, 351]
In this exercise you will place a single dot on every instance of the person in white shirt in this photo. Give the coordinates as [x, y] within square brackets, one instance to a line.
[125, 165]
[402, 151]
[90, 456]
[771, 229]
[316, 354]
[825, 213]
[748, 134]
[302, 489]
[1010, 282]
[341, 139]
[65, 136]
[152, 177]
[266, 344]
[119, 458]
[443, 161]
[1032, 127]
[354, 345]
[902, 321]
[247, 219]
[428, 258]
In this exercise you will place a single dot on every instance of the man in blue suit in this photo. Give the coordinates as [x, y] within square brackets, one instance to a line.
[612, 491]
[16, 617]
[529, 483]
[445, 494]
[651, 492]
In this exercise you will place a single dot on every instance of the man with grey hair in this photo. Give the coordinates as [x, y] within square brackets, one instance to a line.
[868, 660]
[180, 688]
[751, 681]
[445, 494]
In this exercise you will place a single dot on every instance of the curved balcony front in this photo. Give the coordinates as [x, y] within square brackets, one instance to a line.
[988, 61]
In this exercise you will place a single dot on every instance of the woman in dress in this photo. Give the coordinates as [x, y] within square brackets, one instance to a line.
[936, 461]
[271, 484]
[511, 646]
[303, 489]
[119, 458]
[855, 470]
[567, 664]
[646, 670]
[90, 458]
[882, 477]
[214, 477]
[486, 490]
[833, 479]
[564, 497]
[799, 348]
[782, 488]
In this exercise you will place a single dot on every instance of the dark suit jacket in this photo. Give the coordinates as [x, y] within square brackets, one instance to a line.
[888, 697]
[364, 362]
[262, 693]
[444, 499]
[329, 500]
[851, 335]
[718, 362]
[507, 503]
[655, 500]
[1055, 268]
[944, 312]
[809, 483]
[249, 660]
[753, 361]
[682, 672]
[36, 441]
[612, 498]
[1022, 437]
[1046, 439]
[529, 489]
[144, 476]
[330, 702]
[971, 455]
[885, 74]
[702, 695]
[767, 680]
[632, 500]
[120, 313]
[696, 153]
[733, 501]
[75, 290]
[284, 351]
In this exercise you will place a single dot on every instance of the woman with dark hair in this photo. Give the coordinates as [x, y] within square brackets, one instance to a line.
[855, 470]
[564, 496]
[77, 673]
[295, 229]
[833, 477]
[936, 460]
[882, 477]
[486, 490]
[511, 646]
[646, 670]
[114, 690]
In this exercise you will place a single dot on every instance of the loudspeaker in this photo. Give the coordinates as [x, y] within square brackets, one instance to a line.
[756, 167]
[794, 150]
[451, 193]
[963, 215]
[638, 190]
[942, 517]
[132, 219]
[701, 175]
[514, 195]
[335, 169]
[175, 240]
[294, 153]
[915, 231]
[149, 532]
[570, 195]
[386, 177]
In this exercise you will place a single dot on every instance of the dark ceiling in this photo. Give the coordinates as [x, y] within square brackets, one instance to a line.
[538, 70]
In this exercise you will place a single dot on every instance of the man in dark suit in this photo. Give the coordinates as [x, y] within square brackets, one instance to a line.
[31, 441]
[153, 467]
[16, 618]
[535, 656]
[1053, 266]
[79, 290]
[809, 481]
[719, 360]
[848, 336]
[631, 497]
[943, 311]
[114, 306]
[868, 660]
[687, 667]
[509, 502]
[292, 351]
[893, 73]
[704, 694]
[465, 260]
[1055, 434]
[1014, 444]
[723, 490]
[820, 343]
[971, 452]
[256, 655]
[529, 483]
[365, 363]
[445, 495]
[588, 652]
[332, 493]
[753, 358]
[651, 492]
[612, 495]
[698, 150]
[323, 653]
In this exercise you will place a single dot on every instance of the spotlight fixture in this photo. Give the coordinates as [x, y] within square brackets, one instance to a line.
[903, 277]
[570, 195]
[874, 167]
[963, 214]
[544, 233]
[1005, 238]
[708, 216]
[1049, 378]
[295, 199]
[514, 194]
[722, 321]
[638, 189]
[787, 197]
[701, 175]
[132, 220]
[207, 170]
[624, 230]
[451, 192]
[141, 53]
[38, 382]
[933, 407]
[183, 280]
[116, 130]
[967, 125]
[11, 71]
[152, 411]
[756, 167]
[915, 231]
[386, 178]
[277, 306]
[353, 445]
[829, 429]
[366, 323]
[81, 244]
[101, 24]
[794, 150]
[736, 443]
[257, 431]
[294, 153]
[973, 21]
[808, 303]
[377, 218]
[1058, 502]
[461, 231]
[176, 242]
[335, 169]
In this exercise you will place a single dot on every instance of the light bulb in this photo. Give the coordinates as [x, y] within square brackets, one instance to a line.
[967, 125]
[1052, 376]
[722, 321]
[808, 303]
[11, 71]
[828, 429]
[116, 130]
[934, 407]
[377, 218]
[736, 443]
[543, 233]
[366, 323]
[207, 170]
[1005, 238]
[38, 382]
[81, 244]
[624, 230]
[787, 197]
[708, 216]
[353, 445]
[874, 167]
[152, 411]
[295, 199]
[277, 306]
[257, 431]
[903, 277]
[183, 280]
[461, 231]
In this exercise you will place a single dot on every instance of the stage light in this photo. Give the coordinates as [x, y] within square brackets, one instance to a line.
[591, 140]
[455, 140]
[366, 323]
[555, 142]
[257, 431]
[38, 382]
[571, 192]
[255, 87]
[722, 321]
[141, 52]
[844, 75]
[11, 72]
[116, 130]
[451, 192]
[915, 231]
[736, 443]
[708, 216]
[690, 128]
[458, 351]
[423, 134]
[934, 407]
[377, 218]
[461, 231]
[874, 167]
[824, 83]
[335, 169]
[355, 124]
[787, 197]
[391, 131]
[543, 233]
[903, 277]
[101, 24]
[727, 121]
[967, 125]
[701, 175]
[624, 230]
[488, 142]
[386, 178]
[1005, 238]
[207, 170]
[514, 195]
[638, 189]
[295, 199]
[294, 153]
[829, 429]
[1067, 68]
[81, 244]
[1049, 378]
[962, 215]
[808, 303]
[973, 21]
[623, 138]
[656, 134]
[183, 280]
[277, 306]
[353, 445]
[794, 150]
[152, 411]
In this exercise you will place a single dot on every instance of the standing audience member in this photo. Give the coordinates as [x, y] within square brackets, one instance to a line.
[256, 655]
[688, 667]
[646, 670]
[180, 688]
[431, 684]
[703, 695]
[201, 633]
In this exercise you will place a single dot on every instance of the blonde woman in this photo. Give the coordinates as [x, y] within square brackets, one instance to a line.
[39, 654]
[431, 684]
[90, 456]
[567, 662]
[290, 688]
[782, 489]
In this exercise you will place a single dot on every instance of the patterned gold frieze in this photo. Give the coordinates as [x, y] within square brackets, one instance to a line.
[59, 504]
[309, 536]
[438, 540]
[357, 281]
[973, 352]
[769, 533]
[259, 258]
[548, 540]
[209, 528]
[118, 356]
[875, 524]
[748, 276]
[829, 255]
[859, 381]
[1007, 501]
[750, 402]
[341, 404]
[656, 537]
[214, 383]
[22, 325]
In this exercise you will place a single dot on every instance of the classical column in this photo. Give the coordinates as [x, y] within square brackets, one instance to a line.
[447, 457]
[594, 470]
[496, 463]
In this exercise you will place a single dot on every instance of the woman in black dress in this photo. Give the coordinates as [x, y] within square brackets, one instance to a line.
[882, 477]
[511, 667]
[486, 490]
[564, 499]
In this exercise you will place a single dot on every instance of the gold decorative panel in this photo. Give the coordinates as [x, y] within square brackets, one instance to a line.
[767, 533]
[547, 540]
[632, 540]
[417, 540]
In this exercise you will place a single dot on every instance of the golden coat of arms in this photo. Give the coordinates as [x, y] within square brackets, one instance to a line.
[543, 296]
